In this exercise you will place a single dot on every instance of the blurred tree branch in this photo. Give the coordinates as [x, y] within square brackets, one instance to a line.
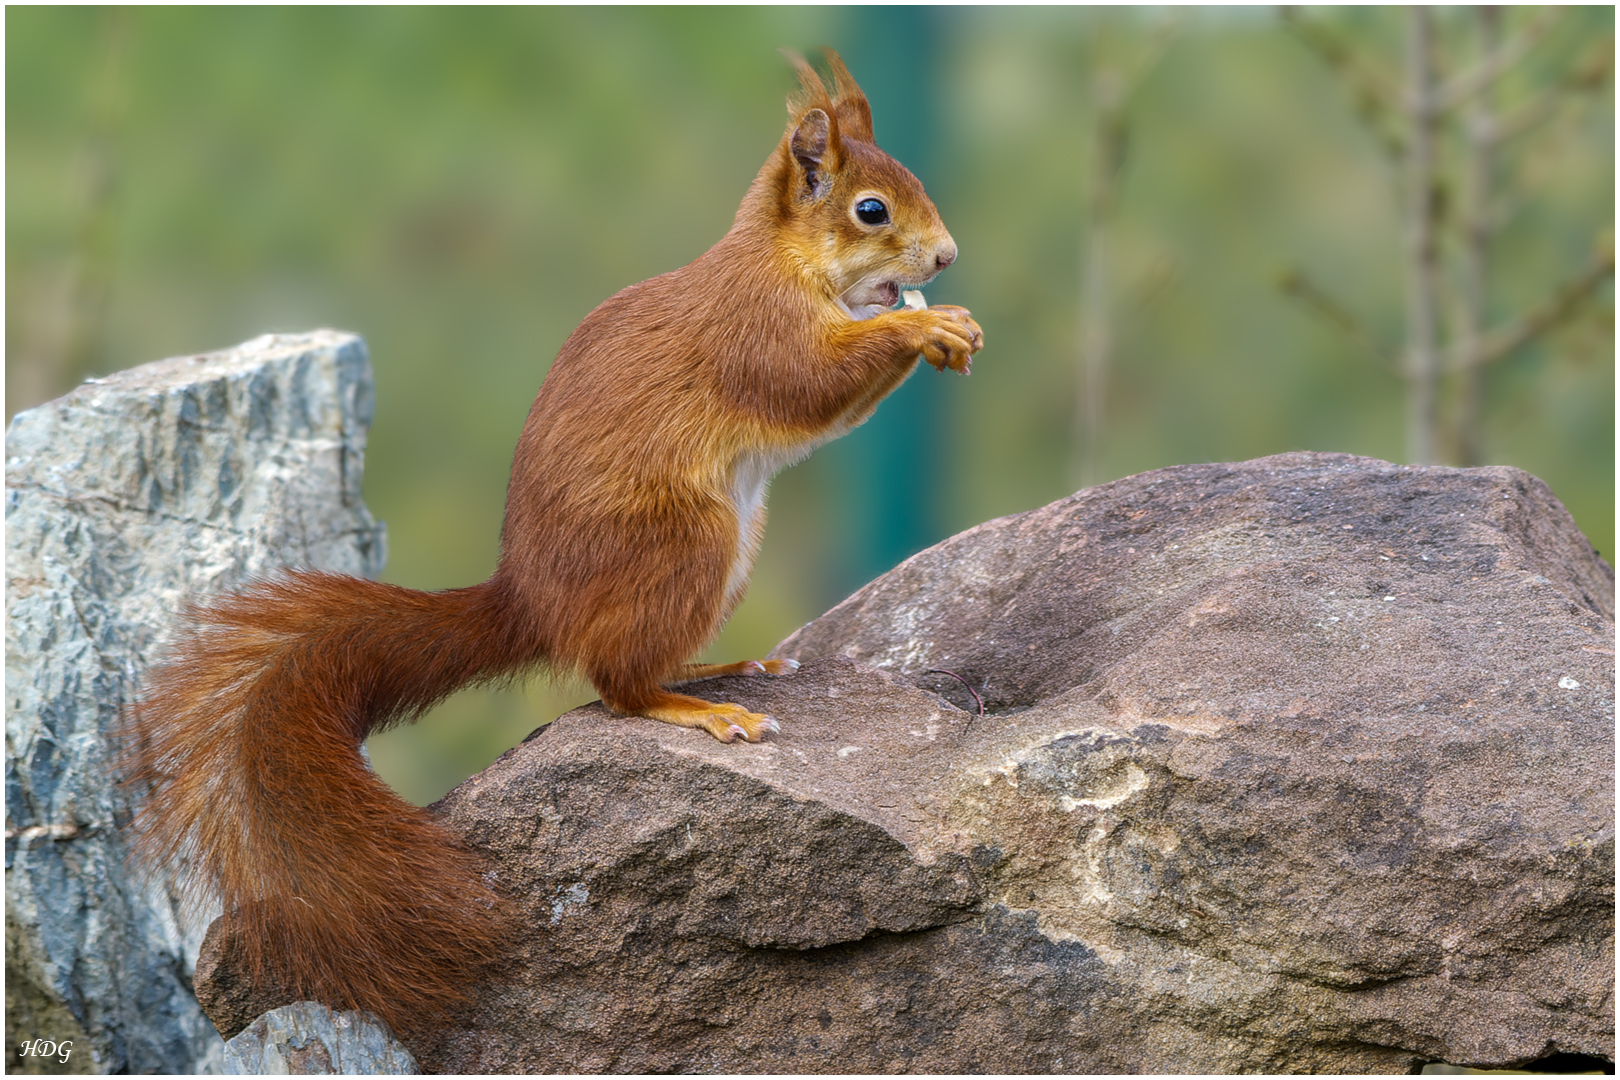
[1294, 282]
[1421, 110]
[1587, 75]
[1112, 86]
[1478, 227]
[1498, 59]
[1548, 315]
[1377, 94]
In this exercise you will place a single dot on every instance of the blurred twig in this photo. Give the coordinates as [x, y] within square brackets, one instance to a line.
[1293, 282]
[1478, 227]
[1546, 316]
[1499, 58]
[1422, 239]
[1377, 94]
[1112, 87]
[1590, 73]
[1364, 79]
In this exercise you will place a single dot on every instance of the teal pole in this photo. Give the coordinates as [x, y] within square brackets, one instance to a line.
[891, 469]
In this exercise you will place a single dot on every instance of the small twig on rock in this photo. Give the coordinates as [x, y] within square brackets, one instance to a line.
[964, 682]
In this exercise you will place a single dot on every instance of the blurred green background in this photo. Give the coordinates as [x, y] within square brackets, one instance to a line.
[461, 186]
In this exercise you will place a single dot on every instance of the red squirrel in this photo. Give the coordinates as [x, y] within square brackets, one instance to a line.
[633, 515]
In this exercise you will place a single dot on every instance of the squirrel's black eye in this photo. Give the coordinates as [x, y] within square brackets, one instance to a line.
[872, 212]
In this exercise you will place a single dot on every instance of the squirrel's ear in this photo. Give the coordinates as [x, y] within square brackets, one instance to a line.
[854, 114]
[809, 147]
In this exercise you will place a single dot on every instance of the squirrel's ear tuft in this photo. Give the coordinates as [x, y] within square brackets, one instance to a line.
[809, 146]
[812, 92]
[854, 114]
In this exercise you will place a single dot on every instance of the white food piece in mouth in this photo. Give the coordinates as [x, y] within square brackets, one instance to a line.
[914, 300]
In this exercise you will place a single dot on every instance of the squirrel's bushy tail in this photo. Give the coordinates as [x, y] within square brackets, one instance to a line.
[248, 736]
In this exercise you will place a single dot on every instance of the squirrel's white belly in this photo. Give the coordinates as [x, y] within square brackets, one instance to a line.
[750, 478]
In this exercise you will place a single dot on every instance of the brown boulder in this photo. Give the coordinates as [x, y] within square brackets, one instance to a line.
[1298, 764]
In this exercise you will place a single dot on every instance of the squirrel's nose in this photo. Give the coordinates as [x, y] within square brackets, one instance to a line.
[944, 255]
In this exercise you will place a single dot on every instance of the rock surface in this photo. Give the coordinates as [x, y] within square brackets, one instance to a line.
[123, 498]
[1302, 764]
[309, 1039]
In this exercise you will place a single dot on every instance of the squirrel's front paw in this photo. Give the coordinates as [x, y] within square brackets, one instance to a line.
[953, 339]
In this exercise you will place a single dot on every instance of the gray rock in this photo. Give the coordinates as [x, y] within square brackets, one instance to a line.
[1303, 764]
[309, 1039]
[122, 499]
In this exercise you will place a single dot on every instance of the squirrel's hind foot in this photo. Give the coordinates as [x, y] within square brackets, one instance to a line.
[725, 722]
[693, 672]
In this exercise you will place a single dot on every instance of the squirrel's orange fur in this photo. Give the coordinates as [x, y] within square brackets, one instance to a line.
[634, 512]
